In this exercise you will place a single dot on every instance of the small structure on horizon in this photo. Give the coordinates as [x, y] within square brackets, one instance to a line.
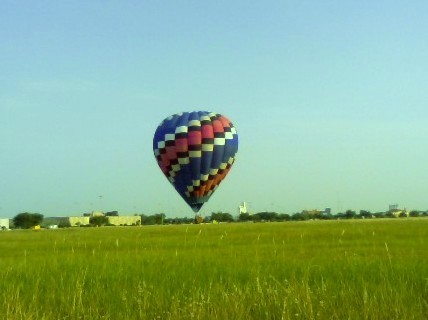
[97, 214]
[4, 224]
[397, 212]
[315, 213]
[243, 208]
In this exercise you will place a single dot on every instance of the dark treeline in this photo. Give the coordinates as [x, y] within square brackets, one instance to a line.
[279, 217]
[310, 215]
[27, 220]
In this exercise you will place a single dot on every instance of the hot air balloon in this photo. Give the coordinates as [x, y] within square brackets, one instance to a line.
[195, 151]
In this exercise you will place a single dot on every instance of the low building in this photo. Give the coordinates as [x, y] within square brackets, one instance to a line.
[111, 220]
[399, 213]
[124, 220]
[313, 212]
[4, 223]
[74, 221]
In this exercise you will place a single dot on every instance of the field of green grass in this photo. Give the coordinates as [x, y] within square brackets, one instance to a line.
[358, 269]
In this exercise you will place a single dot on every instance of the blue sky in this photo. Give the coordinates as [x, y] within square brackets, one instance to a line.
[329, 99]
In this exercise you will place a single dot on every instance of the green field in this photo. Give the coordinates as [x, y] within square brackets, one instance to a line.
[358, 269]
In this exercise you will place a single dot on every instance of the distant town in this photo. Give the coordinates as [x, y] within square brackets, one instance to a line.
[28, 220]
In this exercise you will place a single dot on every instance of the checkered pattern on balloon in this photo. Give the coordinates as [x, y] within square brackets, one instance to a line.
[195, 151]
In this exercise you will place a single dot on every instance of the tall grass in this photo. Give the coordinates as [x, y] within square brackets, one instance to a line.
[297, 270]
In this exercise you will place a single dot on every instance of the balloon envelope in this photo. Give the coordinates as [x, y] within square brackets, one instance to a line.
[195, 151]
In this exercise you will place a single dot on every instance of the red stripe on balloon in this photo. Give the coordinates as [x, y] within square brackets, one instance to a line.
[207, 132]
[181, 145]
[218, 126]
[194, 137]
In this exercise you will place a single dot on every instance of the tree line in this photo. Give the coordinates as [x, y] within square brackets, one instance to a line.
[319, 215]
[27, 220]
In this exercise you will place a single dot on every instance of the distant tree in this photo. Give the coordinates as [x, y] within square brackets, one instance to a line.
[414, 213]
[340, 215]
[187, 220]
[379, 214]
[365, 214]
[64, 223]
[284, 217]
[178, 220]
[389, 214]
[402, 214]
[244, 217]
[267, 216]
[296, 216]
[98, 221]
[159, 218]
[221, 217]
[174, 221]
[168, 220]
[255, 217]
[112, 214]
[27, 220]
[325, 216]
[300, 216]
[147, 220]
[350, 214]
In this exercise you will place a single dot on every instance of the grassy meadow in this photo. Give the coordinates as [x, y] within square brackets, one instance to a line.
[359, 269]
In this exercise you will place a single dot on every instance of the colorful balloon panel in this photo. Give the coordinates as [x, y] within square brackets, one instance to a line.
[195, 151]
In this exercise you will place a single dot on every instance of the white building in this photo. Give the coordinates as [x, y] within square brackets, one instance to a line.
[124, 220]
[75, 221]
[4, 223]
[243, 208]
[113, 220]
